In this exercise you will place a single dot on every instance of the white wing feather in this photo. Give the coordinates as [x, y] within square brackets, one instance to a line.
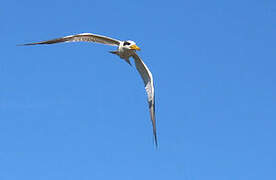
[148, 81]
[88, 37]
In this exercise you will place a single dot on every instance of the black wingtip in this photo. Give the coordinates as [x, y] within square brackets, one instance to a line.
[155, 142]
[28, 44]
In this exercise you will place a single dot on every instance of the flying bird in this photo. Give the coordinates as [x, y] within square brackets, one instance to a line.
[125, 50]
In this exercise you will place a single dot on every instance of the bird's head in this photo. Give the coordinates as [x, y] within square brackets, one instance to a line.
[130, 45]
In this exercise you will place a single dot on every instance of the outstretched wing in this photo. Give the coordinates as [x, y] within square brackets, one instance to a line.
[88, 37]
[148, 81]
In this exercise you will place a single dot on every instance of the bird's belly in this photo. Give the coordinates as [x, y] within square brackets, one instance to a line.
[125, 54]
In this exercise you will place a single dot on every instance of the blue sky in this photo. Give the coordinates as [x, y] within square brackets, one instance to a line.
[76, 112]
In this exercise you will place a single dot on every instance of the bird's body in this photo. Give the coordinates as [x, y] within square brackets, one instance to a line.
[125, 50]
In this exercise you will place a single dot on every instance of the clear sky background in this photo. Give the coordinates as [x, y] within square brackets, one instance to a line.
[76, 112]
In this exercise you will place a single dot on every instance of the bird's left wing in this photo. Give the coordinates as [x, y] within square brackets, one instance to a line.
[88, 37]
[148, 81]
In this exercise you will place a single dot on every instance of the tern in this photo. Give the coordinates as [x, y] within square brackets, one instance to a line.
[125, 50]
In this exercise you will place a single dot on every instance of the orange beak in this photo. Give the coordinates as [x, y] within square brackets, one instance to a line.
[135, 47]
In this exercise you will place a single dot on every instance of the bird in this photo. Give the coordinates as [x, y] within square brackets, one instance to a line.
[125, 50]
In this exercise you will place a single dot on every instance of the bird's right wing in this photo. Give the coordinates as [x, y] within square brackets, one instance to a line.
[88, 37]
[148, 81]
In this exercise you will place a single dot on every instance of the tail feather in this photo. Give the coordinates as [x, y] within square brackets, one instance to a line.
[117, 53]
[128, 61]
[114, 52]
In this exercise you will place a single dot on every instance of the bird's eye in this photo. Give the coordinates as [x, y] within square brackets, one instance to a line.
[126, 43]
